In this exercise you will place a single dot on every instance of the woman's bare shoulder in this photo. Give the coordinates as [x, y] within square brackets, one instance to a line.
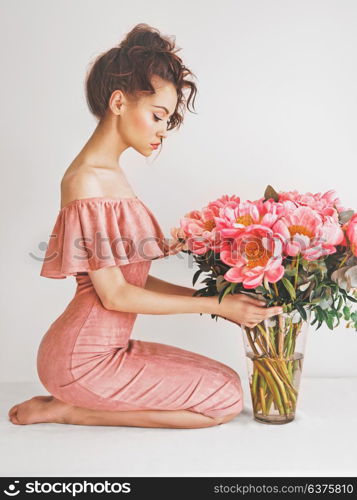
[79, 182]
[84, 181]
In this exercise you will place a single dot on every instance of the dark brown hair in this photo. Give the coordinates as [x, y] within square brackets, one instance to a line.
[143, 53]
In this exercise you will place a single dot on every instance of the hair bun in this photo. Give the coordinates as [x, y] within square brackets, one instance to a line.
[146, 37]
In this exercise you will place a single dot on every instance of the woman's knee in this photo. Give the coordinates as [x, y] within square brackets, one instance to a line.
[236, 400]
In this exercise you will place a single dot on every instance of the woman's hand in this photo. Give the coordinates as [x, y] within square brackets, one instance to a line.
[244, 310]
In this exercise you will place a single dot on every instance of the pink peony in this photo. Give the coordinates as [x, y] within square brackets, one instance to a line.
[176, 233]
[351, 232]
[235, 219]
[327, 204]
[255, 254]
[222, 202]
[305, 231]
[199, 229]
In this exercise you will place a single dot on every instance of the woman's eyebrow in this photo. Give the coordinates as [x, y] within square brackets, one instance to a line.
[163, 107]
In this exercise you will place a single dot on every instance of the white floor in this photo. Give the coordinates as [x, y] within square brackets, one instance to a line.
[321, 441]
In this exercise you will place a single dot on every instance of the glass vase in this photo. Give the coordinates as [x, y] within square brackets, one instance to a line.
[275, 352]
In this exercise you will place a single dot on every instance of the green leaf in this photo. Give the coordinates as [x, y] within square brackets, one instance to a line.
[288, 285]
[266, 286]
[345, 216]
[346, 313]
[314, 321]
[329, 320]
[221, 283]
[195, 276]
[289, 272]
[224, 292]
[319, 313]
[234, 286]
[271, 193]
[302, 311]
[352, 299]
[205, 266]
[340, 301]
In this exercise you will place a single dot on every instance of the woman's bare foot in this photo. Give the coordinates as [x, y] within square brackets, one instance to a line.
[39, 409]
[49, 409]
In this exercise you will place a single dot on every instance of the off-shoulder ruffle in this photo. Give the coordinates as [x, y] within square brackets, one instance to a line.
[92, 233]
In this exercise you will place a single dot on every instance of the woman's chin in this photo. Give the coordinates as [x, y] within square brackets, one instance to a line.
[148, 151]
[144, 151]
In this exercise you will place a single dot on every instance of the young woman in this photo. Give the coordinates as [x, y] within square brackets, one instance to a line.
[106, 237]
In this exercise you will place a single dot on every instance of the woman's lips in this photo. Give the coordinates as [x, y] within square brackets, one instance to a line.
[154, 146]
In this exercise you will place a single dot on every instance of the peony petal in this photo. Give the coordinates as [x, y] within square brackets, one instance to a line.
[254, 281]
[292, 249]
[332, 234]
[274, 274]
[268, 220]
[281, 228]
[234, 275]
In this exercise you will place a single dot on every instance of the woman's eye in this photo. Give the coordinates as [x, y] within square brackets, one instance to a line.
[160, 119]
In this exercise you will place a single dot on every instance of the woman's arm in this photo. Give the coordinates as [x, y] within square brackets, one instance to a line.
[157, 285]
[237, 308]
[135, 299]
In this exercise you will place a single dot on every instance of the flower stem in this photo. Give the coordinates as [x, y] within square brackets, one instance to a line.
[267, 339]
[269, 402]
[254, 381]
[285, 373]
[344, 260]
[279, 383]
[296, 271]
[280, 336]
[279, 372]
[288, 341]
[262, 400]
[254, 349]
[273, 388]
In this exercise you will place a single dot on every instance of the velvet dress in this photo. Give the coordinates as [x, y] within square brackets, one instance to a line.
[86, 357]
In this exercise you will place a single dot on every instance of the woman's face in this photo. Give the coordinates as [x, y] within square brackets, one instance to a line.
[145, 121]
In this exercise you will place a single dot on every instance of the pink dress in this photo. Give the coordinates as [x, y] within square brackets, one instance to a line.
[86, 358]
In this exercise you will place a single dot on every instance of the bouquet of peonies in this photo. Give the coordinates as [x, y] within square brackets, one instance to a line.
[298, 251]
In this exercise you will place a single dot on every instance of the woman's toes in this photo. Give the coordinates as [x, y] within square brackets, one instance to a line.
[14, 418]
[19, 413]
[12, 411]
[13, 415]
[39, 409]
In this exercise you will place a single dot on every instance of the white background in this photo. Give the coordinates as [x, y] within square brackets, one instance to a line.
[276, 105]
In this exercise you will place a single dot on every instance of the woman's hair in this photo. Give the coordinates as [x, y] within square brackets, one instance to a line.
[143, 53]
